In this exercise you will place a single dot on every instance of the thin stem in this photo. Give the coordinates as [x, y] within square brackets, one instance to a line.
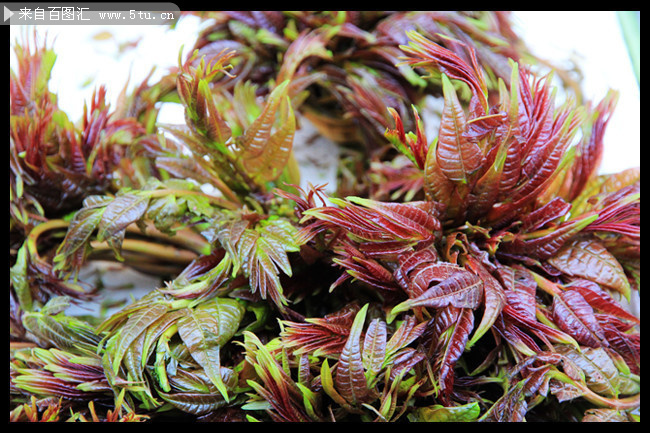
[185, 237]
[546, 285]
[39, 230]
[164, 252]
[227, 204]
[626, 403]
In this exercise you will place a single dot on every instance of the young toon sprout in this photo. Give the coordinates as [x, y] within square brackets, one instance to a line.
[477, 275]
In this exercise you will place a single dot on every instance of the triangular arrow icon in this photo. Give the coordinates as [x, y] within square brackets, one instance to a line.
[8, 13]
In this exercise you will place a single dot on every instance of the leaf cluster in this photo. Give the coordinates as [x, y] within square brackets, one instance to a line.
[476, 276]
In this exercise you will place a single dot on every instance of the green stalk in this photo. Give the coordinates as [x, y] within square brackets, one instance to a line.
[162, 350]
[546, 285]
[39, 230]
[185, 237]
[222, 202]
[164, 252]
[626, 403]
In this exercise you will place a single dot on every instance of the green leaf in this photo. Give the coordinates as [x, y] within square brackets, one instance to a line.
[270, 164]
[309, 400]
[630, 23]
[200, 403]
[198, 205]
[64, 332]
[69, 254]
[132, 363]
[18, 278]
[217, 128]
[328, 385]
[261, 251]
[439, 413]
[278, 388]
[118, 215]
[600, 372]
[405, 334]
[135, 325]
[205, 329]
[280, 230]
[165, 212]
[56, 305]
[374, 349]
[265, 153]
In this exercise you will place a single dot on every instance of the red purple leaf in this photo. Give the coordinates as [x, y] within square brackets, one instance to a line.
[374, 347]
[590, 148]
[588, 259]
[462, 290]
[494, 299]
[458, 157]
[543, 244]
[320, 336]
[428, 274]
[549, 212]
[627, 345]
[524, 323]
[576, 317]
[487, 187]
[451, 345]
[428, 54]
[437, 186]
[350, 379]
[600, 300]
[408, 331]
[120, 213]
[409, 262]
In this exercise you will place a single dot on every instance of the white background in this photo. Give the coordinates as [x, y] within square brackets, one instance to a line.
[595, 40]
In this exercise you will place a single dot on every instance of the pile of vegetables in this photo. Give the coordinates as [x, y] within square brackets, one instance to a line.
[475, 274]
